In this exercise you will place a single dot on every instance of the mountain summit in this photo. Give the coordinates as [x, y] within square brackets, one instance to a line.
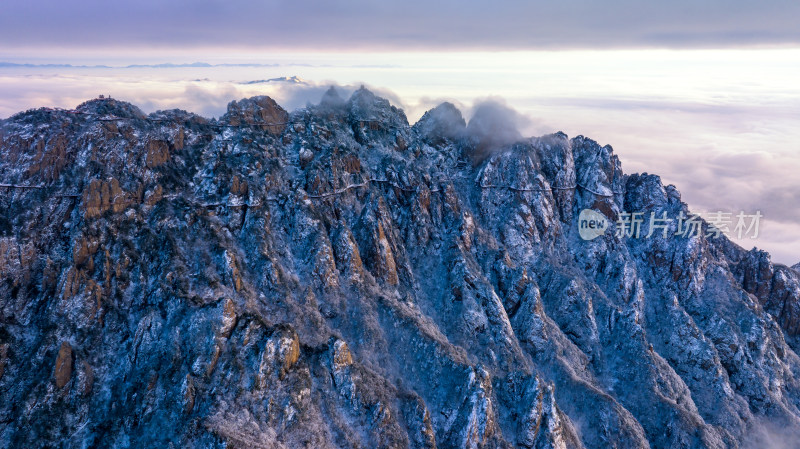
[333, 277]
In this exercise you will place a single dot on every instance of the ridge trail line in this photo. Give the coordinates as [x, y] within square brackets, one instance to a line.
[314, 196]
[113, 118]
[482, 186]
[550, 189]
[354, 186]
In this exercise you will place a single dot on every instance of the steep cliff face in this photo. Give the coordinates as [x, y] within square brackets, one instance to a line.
[335, 277]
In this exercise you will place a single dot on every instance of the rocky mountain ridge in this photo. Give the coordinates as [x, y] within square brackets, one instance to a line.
[334, 277]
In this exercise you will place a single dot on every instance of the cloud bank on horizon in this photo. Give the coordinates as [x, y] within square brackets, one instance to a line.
[409, 25]
[725, 158]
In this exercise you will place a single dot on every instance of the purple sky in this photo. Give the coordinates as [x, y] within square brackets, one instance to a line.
[407, 25]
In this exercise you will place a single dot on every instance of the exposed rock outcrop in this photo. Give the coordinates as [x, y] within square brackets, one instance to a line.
[335, 277]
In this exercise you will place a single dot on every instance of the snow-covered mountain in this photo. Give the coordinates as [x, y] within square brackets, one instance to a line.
[335, 277]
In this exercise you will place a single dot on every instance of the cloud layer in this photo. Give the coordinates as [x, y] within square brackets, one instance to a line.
[722, 126]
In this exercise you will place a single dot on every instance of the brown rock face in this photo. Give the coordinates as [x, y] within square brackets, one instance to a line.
[72, 282]
[238, 186]
[88, 378]
[228, 319]
[101, 196]
[178, 139]
[51, 157]
[281, 353]
[3, 357]
[157, 153]
[257, 111]
[342, 357]
[188, 394]
[63, 369]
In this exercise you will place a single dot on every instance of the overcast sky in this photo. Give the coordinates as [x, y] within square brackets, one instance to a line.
[406, 25]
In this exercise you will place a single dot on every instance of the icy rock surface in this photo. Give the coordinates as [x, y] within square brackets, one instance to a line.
[335, 277]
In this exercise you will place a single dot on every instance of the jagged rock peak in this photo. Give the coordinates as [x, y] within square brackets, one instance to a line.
[256, 111]
[442, 123]
[110, 106]
[332, 99]
[177, 115]
[493, 126]
[365, 106]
